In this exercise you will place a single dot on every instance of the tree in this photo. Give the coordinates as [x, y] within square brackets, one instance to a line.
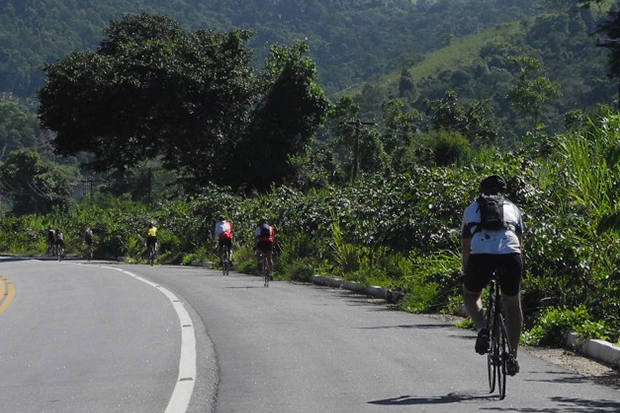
[528, 93]
[19, 128]
[475, 122]
[34, 185]
[153, 89]
[290, 108]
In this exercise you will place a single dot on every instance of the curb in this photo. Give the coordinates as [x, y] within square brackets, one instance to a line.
[371, 290]
[599, 350]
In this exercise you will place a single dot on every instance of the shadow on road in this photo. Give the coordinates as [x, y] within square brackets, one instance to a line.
[447, 399]
[566, 405]
[410, 326]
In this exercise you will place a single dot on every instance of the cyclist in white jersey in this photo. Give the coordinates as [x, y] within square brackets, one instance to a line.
[486, 248]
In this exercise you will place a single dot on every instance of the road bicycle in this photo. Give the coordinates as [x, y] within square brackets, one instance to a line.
[60, 250]
[226, 262]
[499, 346]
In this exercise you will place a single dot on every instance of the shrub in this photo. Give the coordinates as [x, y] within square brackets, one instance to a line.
[555, 323]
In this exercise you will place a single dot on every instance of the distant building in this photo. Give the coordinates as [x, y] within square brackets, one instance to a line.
[6, 96]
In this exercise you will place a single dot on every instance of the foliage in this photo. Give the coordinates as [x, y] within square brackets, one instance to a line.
[473, 121]
[555, 323]
[34, 185]
[531, 94]
[153, 89]
[432, 282]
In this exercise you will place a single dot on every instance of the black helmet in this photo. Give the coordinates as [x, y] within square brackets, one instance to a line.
[262, 221]
[492, 185]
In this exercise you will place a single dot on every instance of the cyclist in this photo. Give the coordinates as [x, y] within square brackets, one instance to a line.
[51, 241]
[491, 240]
[60, 242]
[224, 237]
[88, 240]
[151, 237]
[265, 239]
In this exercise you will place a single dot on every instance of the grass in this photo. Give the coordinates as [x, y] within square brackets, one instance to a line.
[462, 52]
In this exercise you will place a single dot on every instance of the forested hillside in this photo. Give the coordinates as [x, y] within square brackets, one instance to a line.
[350, 40]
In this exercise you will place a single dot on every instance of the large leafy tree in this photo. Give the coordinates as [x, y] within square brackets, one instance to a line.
[153, 90]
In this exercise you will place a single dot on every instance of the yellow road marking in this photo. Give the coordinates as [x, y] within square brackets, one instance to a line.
[7, 293]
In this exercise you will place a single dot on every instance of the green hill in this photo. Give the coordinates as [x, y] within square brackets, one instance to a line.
[478, 67]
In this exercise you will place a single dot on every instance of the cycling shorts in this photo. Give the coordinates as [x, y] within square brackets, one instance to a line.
[225, 243]
[151, 241]
[480, 270]
[60, 243]
[264, 246]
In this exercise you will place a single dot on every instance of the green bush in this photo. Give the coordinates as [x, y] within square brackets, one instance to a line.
[554, 323]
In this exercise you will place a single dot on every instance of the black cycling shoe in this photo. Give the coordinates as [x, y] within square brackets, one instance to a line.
[482, 342]
[512, 365]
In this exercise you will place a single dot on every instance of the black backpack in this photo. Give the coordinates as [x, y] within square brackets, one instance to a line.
[491, 212]
[264, 231]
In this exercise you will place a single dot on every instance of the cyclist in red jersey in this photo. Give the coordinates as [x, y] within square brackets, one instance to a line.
[224, 236]
[265, 240]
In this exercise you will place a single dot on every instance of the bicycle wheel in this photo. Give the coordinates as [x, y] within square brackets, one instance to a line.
[151, 254]
[266, 272]
[491, 354]
[503, 351]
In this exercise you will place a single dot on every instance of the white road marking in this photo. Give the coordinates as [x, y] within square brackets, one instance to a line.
[184, 388]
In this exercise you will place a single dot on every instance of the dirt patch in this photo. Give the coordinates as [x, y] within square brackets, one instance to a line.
[577, 363]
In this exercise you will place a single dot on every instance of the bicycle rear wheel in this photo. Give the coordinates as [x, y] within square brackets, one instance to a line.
[503, 350]
[266, 272]
[491, 356]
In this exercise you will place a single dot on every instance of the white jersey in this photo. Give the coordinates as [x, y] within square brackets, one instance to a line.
[502, 241]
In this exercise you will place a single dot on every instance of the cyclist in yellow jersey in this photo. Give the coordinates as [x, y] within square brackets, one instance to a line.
[151, 237]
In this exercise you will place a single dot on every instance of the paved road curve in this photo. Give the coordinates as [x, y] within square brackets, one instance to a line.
[80, 338]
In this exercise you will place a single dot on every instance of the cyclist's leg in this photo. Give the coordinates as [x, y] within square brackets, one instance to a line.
[514, 320]
[229, 251]
[269, 255]
[477, 277]
[473, 305]
[511, 298]
[220, 252]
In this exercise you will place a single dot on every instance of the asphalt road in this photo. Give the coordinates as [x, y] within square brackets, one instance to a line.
[83, 338]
